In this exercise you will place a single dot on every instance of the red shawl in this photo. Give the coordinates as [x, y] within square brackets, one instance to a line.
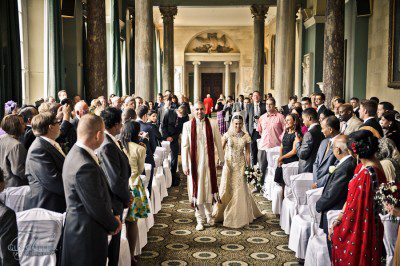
[210, 153]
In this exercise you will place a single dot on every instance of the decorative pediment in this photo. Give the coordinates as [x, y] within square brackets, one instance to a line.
[211, 42]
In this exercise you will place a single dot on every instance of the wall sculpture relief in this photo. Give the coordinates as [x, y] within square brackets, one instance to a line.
[307, 74]
[211, 42]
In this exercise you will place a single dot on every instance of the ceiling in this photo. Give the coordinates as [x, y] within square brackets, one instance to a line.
[212, 16]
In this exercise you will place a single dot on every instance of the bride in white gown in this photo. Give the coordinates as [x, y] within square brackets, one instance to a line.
[237, 207]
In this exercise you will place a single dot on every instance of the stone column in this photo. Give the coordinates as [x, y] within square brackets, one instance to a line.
[334, 49]
[131, 61]
[196, 81]
[96, 49]
[285, 50]
[144, 49]
[258, 12]
[168, 13]
[227, 81]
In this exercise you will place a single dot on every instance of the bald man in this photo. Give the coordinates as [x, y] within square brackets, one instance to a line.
[89, 218]
[81, 108]
[335, 191]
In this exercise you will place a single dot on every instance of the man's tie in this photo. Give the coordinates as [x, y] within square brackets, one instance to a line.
[58, 147]
[120, 145]
[327, 149]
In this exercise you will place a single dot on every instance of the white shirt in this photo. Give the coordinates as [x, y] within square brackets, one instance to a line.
[369, 118]
[332, 139]
[343, 159]
[319, 106]
[113, 138]
[89, 150]
[312, 125]
[54, 144]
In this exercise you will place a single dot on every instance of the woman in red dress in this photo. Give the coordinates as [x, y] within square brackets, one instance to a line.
[357, 234]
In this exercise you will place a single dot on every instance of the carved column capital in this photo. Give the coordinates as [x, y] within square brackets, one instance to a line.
[228, 63]
[259, 11]
[168, 12]
[196, 63]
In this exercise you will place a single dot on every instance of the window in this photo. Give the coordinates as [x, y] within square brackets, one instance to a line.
[22, 19]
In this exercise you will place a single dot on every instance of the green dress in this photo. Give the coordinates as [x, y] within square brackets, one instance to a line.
[140, 206]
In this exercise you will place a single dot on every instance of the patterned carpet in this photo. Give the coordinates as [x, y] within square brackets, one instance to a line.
[174, 241]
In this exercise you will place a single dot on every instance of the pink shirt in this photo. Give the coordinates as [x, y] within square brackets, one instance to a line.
[271, 128]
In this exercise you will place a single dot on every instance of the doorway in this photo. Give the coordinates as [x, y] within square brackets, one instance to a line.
[211, 83]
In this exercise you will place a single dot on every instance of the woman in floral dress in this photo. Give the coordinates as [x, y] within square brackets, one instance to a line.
[136, 153]
[357, 234]
[237, 207]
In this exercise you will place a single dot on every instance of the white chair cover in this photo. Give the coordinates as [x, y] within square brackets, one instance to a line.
[141, 240]
[331, 216]
[39, 232]
[167, 146]
[150, 216]
[289, 170]
[159, 174]
[300, 229]
[155, 196]
[272, 158]
[15, 197]
[147, 170]
[390, 236]
[317, 248]
[277, 197]
[167, 172]
[124, 251]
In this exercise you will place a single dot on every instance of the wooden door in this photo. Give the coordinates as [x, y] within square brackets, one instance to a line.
[211, 83]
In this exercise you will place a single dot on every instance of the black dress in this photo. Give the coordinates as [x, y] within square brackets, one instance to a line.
[395, 136]
[287, 146]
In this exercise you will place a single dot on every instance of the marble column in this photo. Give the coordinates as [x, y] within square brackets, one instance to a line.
[333, 49]
[227, 80]
[168, 13]
[131, 61]
[285, 51]
[96, 49]
[196, 81]
[144, 49]
[258, 12]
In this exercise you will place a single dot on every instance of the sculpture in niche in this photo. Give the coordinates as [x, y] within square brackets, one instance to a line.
[307, 78]
[212, 44]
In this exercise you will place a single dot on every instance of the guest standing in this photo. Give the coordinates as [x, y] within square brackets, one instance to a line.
[139, 208]
[219, 108]
[307, 148]
[357, 234]
[13, 152]
[116, 167]
[208, 104]
[44, 166]
[89, 219]
[27, 114]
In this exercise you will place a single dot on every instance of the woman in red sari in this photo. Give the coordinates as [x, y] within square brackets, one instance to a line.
[357, 234]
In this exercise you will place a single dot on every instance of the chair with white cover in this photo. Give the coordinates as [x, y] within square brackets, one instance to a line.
[15, 197]
[39, 233]
[167, 145]
[272, 159]
[150, 216]
[288, 209]
[167, 172]
[317, 249]
[141, 240]
[155, 190]
[159, 176]
[390, 228]
[300, 229]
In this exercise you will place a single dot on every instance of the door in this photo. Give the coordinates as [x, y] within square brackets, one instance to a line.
[211, 83]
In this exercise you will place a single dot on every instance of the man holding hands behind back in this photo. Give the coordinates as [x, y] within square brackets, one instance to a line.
[90, 217]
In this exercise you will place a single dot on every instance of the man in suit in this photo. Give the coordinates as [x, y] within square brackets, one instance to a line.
[115, 165]
[67, 136]
[27, 114]
[254, 111]
[81, 108]
[163, 110]
[350, 122]
[383, 107]
[355, 103]
[335, 191]
[325, 158]
[152, 118]
[171, 129]
[285, 110]
[239, 105]
[305, 103]
[319, 102]
[307, 148]
[8, 232]
[228, 111]
[152, 139]
[368, 109]
[89, 219]
[44, 165]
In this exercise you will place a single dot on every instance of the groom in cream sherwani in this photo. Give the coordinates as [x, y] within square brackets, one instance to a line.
[200, 136]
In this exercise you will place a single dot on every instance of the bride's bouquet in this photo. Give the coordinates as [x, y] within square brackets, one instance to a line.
[253, 175]
[388, 194]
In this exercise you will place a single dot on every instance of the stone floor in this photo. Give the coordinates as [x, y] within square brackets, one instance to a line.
[174, 241]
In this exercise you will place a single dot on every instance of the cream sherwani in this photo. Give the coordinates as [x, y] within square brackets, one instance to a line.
[204, 195]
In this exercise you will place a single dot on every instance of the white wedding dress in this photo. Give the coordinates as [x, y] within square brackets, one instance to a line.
[237, 207]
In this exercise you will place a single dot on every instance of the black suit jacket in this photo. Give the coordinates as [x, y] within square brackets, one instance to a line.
[170, 127]
[145, 127]
[250, 116]
[321, 109]
[307, 149]
[67, 136]
[44, 165]
[28, 138]
[115, 165]
[374, 124]
[8, 236]
[334, 194]
[285, 110]
[75, 122]
[89, 217]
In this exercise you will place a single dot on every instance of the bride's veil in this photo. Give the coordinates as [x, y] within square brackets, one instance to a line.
[236, 115]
